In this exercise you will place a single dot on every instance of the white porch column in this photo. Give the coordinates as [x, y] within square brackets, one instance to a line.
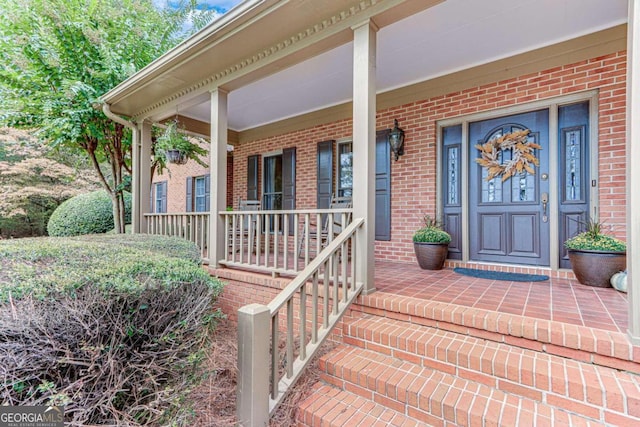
[141, 179]
[364, 145]
[135, 179]
[633, 172]
[218, 171]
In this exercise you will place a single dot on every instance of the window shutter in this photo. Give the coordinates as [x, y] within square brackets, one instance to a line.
[289, 182]
[189, 197]
[164, 197]
[383, 186]
[289, 178]
[252, 177]
[207, 191]
[325, 174]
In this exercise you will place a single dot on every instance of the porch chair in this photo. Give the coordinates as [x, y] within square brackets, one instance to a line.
[248, 238]
[326, 229]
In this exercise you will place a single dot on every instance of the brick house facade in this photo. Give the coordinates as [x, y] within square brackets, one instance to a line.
[413, 177]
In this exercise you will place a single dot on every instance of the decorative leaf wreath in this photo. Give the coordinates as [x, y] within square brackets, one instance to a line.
[522, 157]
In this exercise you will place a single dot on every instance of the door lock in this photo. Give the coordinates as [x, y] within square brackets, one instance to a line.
[544, 198]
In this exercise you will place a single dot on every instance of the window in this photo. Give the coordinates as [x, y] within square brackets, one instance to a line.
[197, 199]
[345, 169]
[160, 197]
[200, 195]
[273, 182]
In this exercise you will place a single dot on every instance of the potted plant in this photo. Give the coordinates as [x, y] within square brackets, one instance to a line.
[431, 244]
[595, 256]
[175, 146]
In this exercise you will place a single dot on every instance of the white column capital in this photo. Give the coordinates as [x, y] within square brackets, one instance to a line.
[367, 22]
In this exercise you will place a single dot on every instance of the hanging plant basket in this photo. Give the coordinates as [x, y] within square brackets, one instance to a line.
[176, 157]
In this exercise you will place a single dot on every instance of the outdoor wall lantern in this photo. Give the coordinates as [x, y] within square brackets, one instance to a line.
[396, 140]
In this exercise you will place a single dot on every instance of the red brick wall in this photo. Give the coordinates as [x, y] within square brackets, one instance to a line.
[414, 175]
[176, 177]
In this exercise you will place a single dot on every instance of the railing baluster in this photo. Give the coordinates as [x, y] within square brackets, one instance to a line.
[303, 322]
[259, 219]
[276, 238]
[296, 242]
[234, 236]
[227, 220]
[267, 235]
[289, 338]
[307, 218]
[275, 354]
[343, 261]
[325, 297]
[318, 233]
[336, 282]
[285, 241]
[242, 219]
[314, 308]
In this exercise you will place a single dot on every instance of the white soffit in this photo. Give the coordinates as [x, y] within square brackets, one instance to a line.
[451, 36]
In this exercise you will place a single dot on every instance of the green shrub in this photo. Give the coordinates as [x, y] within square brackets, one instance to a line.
[431, 235]
[89, 213]
[111, 326]
[594, 239]
[431, 231]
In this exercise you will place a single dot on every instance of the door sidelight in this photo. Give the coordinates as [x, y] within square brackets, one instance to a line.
[544, 198]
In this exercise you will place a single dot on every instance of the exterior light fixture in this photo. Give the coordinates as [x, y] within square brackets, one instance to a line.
[396, 140]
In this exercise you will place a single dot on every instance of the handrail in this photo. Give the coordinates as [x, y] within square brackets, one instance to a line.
[279, 241]
[334, 286]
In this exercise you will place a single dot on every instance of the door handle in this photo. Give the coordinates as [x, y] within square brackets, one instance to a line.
[544, 198]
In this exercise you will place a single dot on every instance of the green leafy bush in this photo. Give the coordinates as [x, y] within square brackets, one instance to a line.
[593, 239]
[431, 232]
[89, 213]
[111, 326]
[600, 242]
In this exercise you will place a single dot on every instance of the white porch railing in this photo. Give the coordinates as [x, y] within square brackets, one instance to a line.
[279, 241]
[190, 225]
[268, 365]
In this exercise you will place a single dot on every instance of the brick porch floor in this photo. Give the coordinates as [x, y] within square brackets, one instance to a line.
[559, 300]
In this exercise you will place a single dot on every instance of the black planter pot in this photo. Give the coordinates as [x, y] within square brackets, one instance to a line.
[431, 256]
[595, 268]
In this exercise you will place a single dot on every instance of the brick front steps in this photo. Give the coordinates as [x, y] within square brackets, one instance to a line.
[414, 362]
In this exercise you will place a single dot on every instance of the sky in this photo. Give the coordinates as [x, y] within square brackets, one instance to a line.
[220, 6]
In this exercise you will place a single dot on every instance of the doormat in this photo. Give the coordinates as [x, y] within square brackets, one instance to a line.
[499, 275]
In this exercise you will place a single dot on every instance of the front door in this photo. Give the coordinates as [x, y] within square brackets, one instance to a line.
[509, 218]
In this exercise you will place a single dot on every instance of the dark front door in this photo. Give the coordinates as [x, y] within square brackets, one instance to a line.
[509, 219]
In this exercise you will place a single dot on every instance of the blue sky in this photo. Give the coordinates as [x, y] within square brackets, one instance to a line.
[220, 6]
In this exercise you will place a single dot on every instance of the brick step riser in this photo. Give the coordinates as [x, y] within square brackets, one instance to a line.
[438, 398]
[564, 383]
[606, 348]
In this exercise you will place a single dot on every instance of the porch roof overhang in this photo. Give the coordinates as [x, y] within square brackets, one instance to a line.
[283, 58]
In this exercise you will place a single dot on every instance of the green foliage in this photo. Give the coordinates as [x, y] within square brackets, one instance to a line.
[431, 235]
[42, 267]
[33, 183]
[431, 232]
[594, 239]
[88, 213]
[59, 56]
[112, 326]
[600, 242]
[174, 138]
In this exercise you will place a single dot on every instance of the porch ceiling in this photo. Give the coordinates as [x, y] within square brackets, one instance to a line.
[448, 37]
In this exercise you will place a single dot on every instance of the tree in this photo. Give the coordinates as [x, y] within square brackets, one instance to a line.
[33, 184]
[59, 56]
